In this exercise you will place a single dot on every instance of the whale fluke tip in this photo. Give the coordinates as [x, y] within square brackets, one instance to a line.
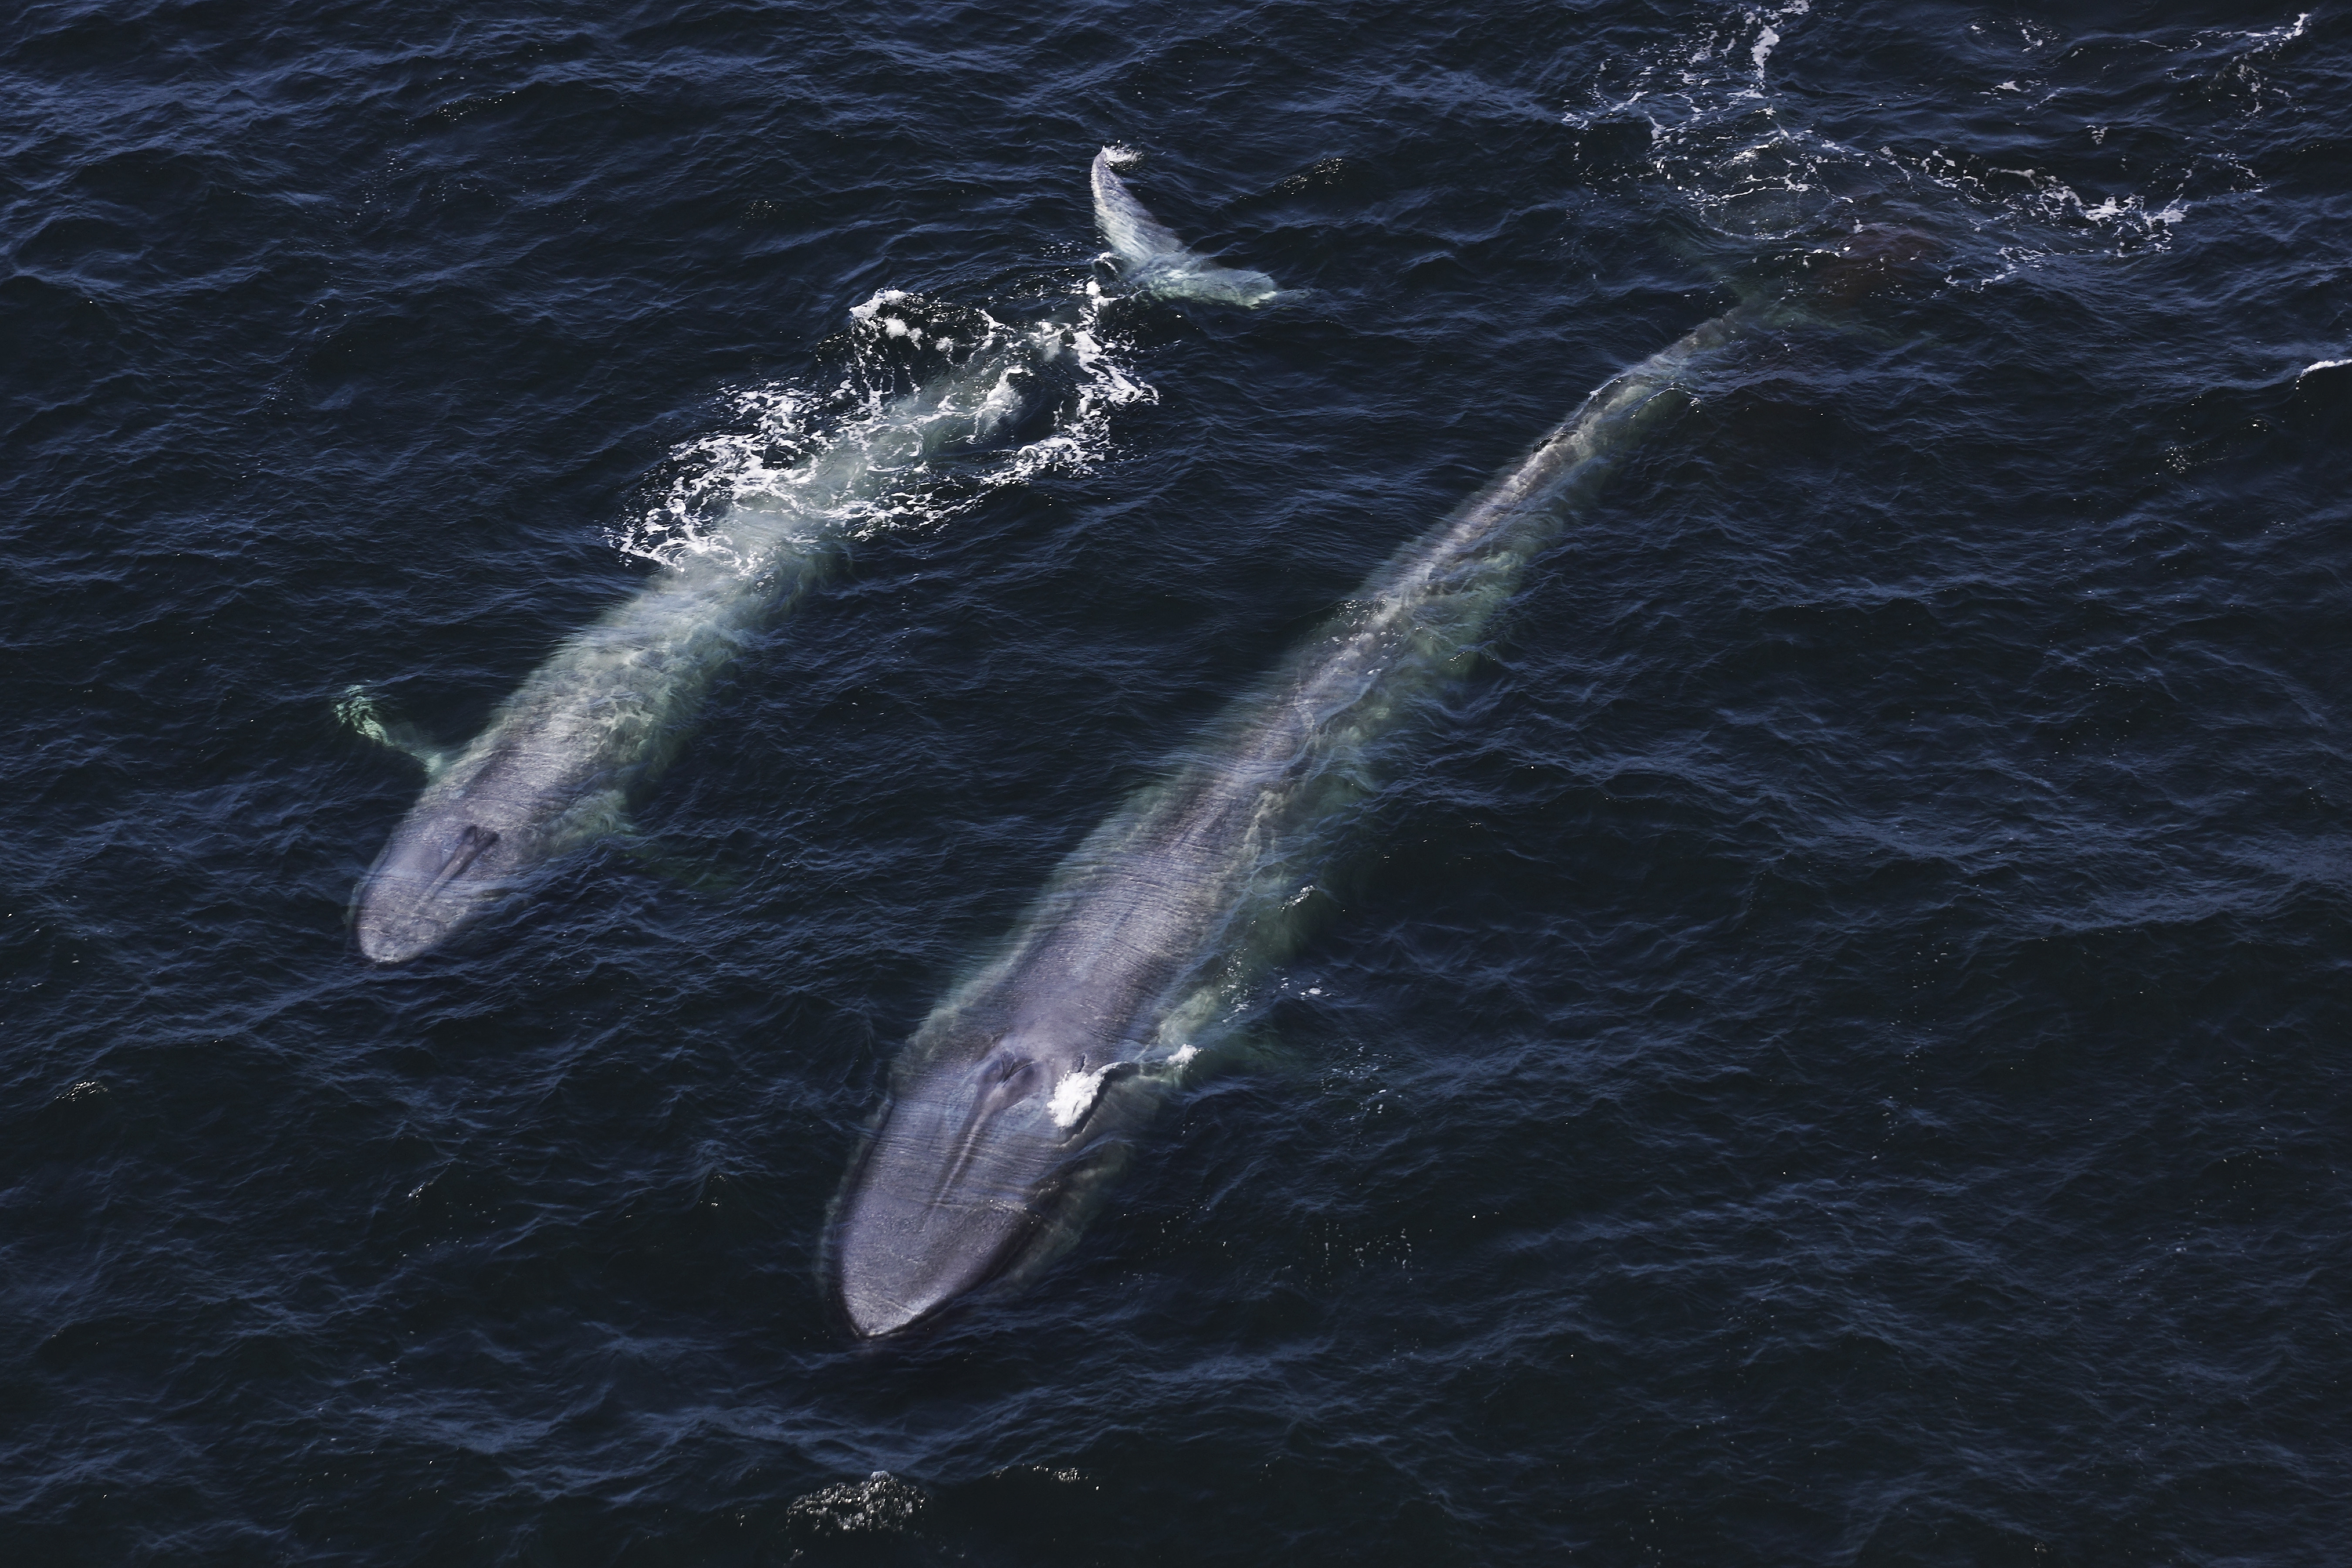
[1151, 259]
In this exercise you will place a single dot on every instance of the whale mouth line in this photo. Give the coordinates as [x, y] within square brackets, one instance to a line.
[1004, 1083]
[403, 911]
[875, 1311]
[473, 841]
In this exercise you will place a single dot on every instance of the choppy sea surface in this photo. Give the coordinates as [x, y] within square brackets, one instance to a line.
[1832, 1049]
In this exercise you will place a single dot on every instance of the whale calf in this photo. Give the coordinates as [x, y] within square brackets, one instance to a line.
[563, 757]
[587, 731]
[1022, 1093]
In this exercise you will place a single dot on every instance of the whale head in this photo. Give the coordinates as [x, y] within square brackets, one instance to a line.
[975, 1174]
[440, 870]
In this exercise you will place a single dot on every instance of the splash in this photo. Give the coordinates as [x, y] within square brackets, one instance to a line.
[936, 407]
[1719, 136]
[1075, 1096]
[1738, 154]
[1767, 36]
[2277, 37]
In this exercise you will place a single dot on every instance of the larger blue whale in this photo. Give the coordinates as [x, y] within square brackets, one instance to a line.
[1022, 1092]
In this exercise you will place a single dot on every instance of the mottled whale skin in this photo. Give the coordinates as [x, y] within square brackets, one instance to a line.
[1023, 1091]
[561, 757]
[1022, 1094]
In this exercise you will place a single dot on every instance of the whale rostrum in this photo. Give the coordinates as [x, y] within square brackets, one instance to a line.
[1024, 1091]
[563, 757]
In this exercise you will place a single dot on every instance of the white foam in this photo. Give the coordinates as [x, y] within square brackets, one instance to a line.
[1718, 135]
[882, 1504]
[1076, 1095]
[1768, 37]
[2277, 36]
[803, 465]
[2048, 218]
[881, 297]
[1750, 165]
[2322, 364]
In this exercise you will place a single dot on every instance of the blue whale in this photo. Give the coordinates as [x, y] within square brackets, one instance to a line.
[564, 756]
[1022, 1094]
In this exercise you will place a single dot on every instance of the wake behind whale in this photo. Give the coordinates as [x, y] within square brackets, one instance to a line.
[594, 725]
[1022, 1093]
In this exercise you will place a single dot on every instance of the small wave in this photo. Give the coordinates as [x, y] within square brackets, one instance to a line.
[1721, 138]
[1739, 151]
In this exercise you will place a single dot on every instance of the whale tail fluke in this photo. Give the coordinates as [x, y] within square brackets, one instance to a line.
[1152, 260]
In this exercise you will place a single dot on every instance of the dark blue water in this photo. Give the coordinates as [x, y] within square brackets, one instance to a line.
[1831, 1050]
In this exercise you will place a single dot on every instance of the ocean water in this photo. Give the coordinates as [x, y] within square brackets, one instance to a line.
[1830, 1047]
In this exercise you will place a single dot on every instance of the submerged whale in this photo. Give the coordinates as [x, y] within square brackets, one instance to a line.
[1022, 1092]
[563, 757]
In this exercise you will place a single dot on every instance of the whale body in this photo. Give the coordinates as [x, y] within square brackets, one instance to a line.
[1022, 1092]
[563, 757]
[587, 731]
